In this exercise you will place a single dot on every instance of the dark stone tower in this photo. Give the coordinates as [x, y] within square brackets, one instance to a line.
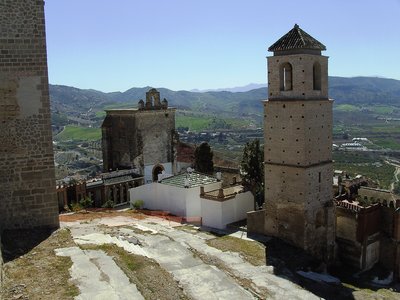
[27, 180]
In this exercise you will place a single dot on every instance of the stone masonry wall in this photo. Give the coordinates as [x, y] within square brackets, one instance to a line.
[138, 137]
[27, 180]
[302, 77]
[157, 129]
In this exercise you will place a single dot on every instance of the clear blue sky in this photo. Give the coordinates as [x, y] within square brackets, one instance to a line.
[186, 44]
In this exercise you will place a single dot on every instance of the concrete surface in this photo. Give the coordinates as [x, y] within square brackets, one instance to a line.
[97, 276]
[175, 250]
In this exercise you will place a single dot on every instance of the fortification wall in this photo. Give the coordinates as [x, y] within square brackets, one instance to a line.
[27, 180]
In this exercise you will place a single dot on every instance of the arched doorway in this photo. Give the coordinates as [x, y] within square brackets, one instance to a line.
[158, 169]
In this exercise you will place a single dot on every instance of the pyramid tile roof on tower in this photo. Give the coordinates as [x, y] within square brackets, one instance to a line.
[296, 39]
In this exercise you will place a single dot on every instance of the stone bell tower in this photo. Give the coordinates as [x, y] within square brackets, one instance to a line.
[298, 145]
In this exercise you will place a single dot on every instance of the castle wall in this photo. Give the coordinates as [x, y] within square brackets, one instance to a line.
[358, 236]
[384, 197]
[27, 178]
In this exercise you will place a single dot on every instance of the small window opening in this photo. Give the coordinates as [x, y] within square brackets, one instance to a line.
[317, 76]
[286, 77]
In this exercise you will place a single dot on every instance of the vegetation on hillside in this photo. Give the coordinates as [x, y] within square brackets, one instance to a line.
[72, 132]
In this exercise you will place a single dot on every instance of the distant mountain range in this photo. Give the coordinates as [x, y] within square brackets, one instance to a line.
[235, 102]
[245, 88]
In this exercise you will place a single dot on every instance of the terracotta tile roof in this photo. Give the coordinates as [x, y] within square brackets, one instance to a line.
[296, 39]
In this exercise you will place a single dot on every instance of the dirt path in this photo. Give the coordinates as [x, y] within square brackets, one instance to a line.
[396, 173]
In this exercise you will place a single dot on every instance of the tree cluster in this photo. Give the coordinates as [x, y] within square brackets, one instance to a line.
[203, 159]
[252, 169]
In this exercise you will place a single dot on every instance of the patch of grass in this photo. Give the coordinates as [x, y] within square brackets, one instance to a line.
[151, 280]
[40, 274]
[193, 123]
[71, 132]
[385, 128]
[382, 109]
[252, 251]
[346, 108]
[387, 143]
[354, 157]
[198, 122]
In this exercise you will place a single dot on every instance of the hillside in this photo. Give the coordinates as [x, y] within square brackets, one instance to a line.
[86, 107]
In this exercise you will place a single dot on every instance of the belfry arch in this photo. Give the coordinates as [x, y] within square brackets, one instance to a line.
[157, 169]
[317, 76]
[286, 77]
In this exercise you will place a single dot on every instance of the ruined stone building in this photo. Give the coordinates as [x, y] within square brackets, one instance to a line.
[27, 180]
[368, 229]
[142, 138]
[298, 146]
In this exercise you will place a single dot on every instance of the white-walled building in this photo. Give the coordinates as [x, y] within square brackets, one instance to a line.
[195, 195]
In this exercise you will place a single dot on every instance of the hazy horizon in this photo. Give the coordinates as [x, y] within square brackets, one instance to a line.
[187, 45]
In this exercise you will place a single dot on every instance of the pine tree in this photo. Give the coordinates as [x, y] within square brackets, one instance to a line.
[203, 158]
[252, 169]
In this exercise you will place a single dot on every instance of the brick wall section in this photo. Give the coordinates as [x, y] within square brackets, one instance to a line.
[27, 180]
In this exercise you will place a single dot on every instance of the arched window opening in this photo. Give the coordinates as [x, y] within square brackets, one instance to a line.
[317, 76]
[286, 77]
[158, 169]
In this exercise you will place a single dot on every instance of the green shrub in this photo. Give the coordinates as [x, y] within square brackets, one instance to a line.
[138, 204]
[76, 206]
[108, 204]
[86, 202]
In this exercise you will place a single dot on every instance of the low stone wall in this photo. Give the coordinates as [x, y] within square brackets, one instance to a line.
[256, 222]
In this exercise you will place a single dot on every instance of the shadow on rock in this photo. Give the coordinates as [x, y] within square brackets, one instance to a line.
[18, 242]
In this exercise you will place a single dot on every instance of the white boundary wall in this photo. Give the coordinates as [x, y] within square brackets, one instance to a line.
[218, 214]
[187, 203]
[178, 201]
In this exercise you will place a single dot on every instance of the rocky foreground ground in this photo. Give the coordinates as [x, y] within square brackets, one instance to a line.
[128, 255]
